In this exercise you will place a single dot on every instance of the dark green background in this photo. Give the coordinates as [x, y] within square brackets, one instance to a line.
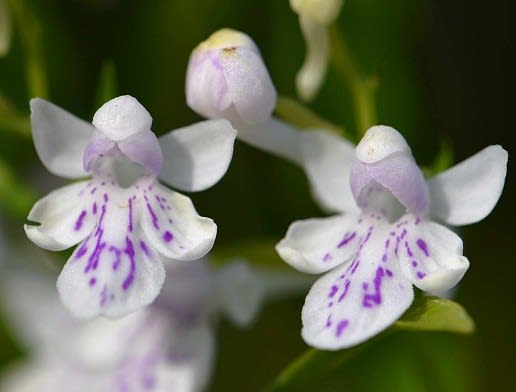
[444, 74]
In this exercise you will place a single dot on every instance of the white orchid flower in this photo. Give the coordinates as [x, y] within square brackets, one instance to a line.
[384, 240]
[168, 346]
[226, 78]
[125, 222]
[314, 18]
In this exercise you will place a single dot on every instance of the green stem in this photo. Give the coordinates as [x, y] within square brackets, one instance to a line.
[362, 89]
[300, 116]
[30, 34]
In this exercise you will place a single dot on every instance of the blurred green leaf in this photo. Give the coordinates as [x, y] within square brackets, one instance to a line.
[107, 86]
[257, 252]
[15, 196]
[436, 314]
[5, 29]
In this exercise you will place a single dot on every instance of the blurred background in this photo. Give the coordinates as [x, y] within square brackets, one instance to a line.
[443, 74]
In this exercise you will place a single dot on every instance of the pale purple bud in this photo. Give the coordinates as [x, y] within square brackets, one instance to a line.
[226, 78]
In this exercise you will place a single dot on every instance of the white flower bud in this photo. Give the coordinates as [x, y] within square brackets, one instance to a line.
[227, 78]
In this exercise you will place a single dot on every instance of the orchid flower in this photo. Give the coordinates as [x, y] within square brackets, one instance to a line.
[314, 18]
[168, 346]
[226, 78]
[384, 240]
[126, 222]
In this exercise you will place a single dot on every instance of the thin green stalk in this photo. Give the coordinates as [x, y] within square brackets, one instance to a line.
[302, 117]
[362, 90]
[30, 34]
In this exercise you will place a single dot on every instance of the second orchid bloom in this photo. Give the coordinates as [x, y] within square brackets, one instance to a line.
[126, 223]
[385, 240]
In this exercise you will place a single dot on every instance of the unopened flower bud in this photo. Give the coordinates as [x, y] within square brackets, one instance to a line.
[227, 78]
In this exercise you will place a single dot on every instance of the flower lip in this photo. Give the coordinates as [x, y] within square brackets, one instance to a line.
[379, 142]
[122, 117]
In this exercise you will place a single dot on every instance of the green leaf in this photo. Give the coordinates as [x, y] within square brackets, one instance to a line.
[436, 314]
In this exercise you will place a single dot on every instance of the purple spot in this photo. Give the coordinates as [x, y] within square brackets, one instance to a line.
[93, 281]
[370, 300]
[389, 273]
[420, 275]
[409, 251]
[94, 208]
[118, 257]
[384, 257]
[328, 322]
[346, 288]
[106, 198]
[414, 263]
[168, 236]
[144, 248]
[417, 221]
[80, 220]
[130, 201]
[422, 245]
[333, 291]
[327, 257]
[93, 190]
[152, 214]
[347, 238]
[341, 326]
[81, 252]
[129, 251]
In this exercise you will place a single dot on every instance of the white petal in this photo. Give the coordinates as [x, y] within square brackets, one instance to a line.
[430, 254]
[122, 117]
[115, 270]
[177, 359]
[357, 301]
[311, 75]
[32, 308]
[327, 161]
[173, 227]
[60, 138]
[196, 157]
[190, 363]
[273, 136]
[240, 291]
[65, 217]
[379, 142]
[249, 84]
[53, 374]
[318, 245]
[468, 192]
